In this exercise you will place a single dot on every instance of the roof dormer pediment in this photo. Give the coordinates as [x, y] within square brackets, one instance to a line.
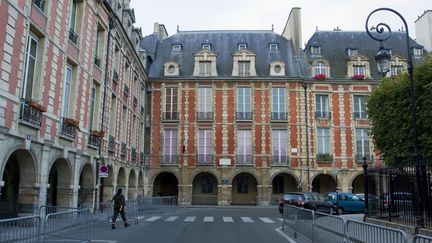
[205, 54]
[243, 53]
[358, 58]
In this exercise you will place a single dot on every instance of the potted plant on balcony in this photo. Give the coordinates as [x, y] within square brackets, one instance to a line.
[98, 133]
[320, 76]
[36, 105]
[358, 76]
[71, 122]
[324, 157]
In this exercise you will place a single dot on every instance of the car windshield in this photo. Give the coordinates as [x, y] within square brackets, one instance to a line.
[355, 198]
[292, 197]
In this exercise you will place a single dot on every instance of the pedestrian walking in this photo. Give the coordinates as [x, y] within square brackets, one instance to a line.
[119, 207]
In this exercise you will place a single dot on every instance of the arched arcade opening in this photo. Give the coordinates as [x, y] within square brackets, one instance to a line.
[86, 185]
[165, 184]
[244, 189]
[324, 184]
[281, 184]
[59, 192]
[204, 189]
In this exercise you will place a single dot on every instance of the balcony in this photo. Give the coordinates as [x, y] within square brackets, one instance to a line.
[111, 144]
[359, 158]
[324, 158]
[97, 61]
[73, 37]
[170, 116]
[244, 116]
[204, 116]
[69, 127]
[244, 159]
[94, 139]
[360, 115]
[133, 155]
[205, 159]
[280, 160]
[115, 77]
[169, 159]
[126, 90]
[135, 102]
[279, 116]
[123, 149]
[32, 115]
[322, 114]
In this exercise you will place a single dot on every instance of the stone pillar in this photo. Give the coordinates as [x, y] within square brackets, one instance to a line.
[44, 174]
[224, 195]
[185, 194]
[264, 195]
[75, 181]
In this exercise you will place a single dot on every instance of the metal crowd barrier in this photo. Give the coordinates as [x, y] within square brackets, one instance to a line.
[101, 212]
[24, 229]
[70, 226]
[156, 204]
[132, 211]
[45, 210]
[328, 228]
[422, 239]
[357, 231]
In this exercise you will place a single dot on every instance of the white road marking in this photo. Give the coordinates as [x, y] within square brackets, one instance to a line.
[208, 219]
[154, 218]
[140, 217]
[280, 219]
[189, 219]
[247, 220]
[171, 219]
[266, 220]
[228, 219]
[102, 241]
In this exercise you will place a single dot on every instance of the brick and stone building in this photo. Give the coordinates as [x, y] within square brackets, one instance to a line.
[72, 97]
[239, 117]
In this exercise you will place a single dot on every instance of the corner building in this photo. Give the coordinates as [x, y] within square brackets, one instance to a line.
[240, 117]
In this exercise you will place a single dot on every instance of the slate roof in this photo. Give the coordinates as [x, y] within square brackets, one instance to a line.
[334, 45]
[224, 44]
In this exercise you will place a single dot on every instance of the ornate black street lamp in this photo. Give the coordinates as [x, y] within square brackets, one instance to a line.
[383, 60]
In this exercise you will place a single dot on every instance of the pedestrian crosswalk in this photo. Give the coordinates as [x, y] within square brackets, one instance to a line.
[211, 219]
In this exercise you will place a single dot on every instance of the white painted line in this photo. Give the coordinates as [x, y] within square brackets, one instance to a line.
[190, 219]
[286, 237]
[171, 219]
[266, 220]
[208, 219]
[140, 217]
[228, 219]
[154, 218]
[280, 219]
[102, 241]
[247, 220]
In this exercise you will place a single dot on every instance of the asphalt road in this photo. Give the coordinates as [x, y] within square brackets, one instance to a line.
[198, 225]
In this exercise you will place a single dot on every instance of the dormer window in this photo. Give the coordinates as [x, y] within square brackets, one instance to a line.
[417, 52]
[206, 47]
[277, 68]
[205, 68]
[244, 63]
[273, 47]
[242, 46]
[352, 52]
[176, 48]
[171, 69]
[244, 68]
[320, 68]
[205, 63]
[315, 50]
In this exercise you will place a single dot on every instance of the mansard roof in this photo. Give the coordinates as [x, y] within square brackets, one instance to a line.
[223, 44]
[334, 45]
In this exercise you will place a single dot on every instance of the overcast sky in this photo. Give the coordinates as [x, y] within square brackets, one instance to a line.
[262, 14]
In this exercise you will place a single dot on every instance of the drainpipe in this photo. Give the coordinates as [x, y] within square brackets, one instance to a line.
[304, 85]
[110, 26]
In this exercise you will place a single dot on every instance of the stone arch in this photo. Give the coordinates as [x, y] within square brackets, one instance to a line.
[59, 192]
[244, 189]
[140, 188]
[323, 183]
[131, 185]
[121, 178]
[18, 195]
[165, 184]
[86, 184]
[108, 184]
[205, 189]
[282, 182]
[357, 183]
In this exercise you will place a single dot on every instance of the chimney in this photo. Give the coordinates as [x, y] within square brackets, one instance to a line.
[292, 30]
[160, 31]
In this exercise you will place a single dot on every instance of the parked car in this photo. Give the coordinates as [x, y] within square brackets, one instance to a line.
[396, 200]
[347, 202]
[373, 201]
[309, 200]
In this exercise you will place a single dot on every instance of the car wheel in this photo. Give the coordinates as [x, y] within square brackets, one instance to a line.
[340, 211]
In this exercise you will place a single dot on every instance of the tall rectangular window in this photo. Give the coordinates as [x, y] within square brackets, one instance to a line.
[244, 99]
[360, 107]
[170, 146]
[207, 184]
[279, 146]
[315, 50]
[30, 67]
[170, 106]
[124, 124]
[205, 146]
[67, 85]
[92, 106]
[205, 99]
[244, 146]
[205, 68]
[113, 112]
[396, 69]
[321, 106]
[362, 143]
[242, 184]
[278, 101]
[323, 140]
[320, 68]
[116, 58]
[359, 70]
[244, 68]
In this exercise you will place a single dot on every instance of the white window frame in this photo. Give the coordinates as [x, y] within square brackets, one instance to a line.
[278, 99]
[205, 99]
[205, 148]
[396, 69]
[362, 137]
[352, 52]
[361, 106]
[321, 104]
[323, 140]
[176, 48]
[242, 46]
[172, 146]
[30, 57]
[273, 47]
[206, 47]
[315, 50]
[243, 103]
[92, 106]
[279, 141]
[67, 87]
[205, 68]
[320, 68]
[244, 68]
[359, 69]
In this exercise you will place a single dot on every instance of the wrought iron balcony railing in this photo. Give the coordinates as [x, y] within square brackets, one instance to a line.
[133, 155]
[115, 77]
[68, 130]
[324, 157]
[279, 116]
[322, 114]
[205, 159]
[97, 61]
[244, 116]
[170, 159]
[359, 158]
[30, 114]
[142, 158]
[111, 144]
[94, 140]
[170, 116]
[360, 115]
[279, 159]
[204, 116]
[73, 36]
[244, 159]
[126, 90]
[135, 101]
[123, 149]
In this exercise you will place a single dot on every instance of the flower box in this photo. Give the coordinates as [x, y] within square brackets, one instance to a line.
[320, 76]
[71, 122]
[358, 76]
[34, 104]
[97, 133]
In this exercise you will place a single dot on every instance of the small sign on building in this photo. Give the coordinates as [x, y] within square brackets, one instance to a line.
[103, 171]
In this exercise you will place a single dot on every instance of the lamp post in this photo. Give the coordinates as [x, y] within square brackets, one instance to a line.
[304, 85]
[366, 188]
[383, 62]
